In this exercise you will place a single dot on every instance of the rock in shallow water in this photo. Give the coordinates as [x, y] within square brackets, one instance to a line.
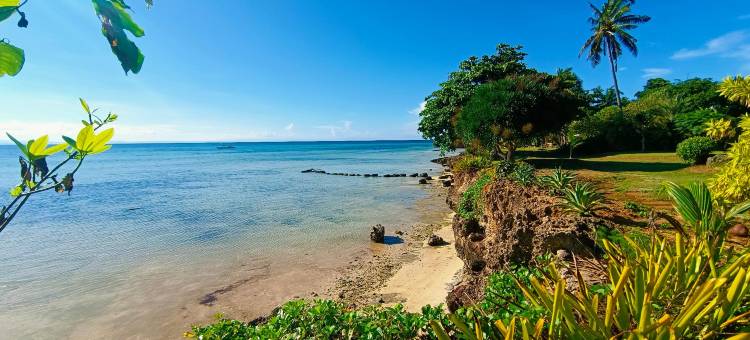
[378, 234]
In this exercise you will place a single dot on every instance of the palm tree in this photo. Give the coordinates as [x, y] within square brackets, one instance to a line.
[610, 26]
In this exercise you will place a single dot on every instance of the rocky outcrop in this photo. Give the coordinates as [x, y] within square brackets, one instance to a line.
[517, 224]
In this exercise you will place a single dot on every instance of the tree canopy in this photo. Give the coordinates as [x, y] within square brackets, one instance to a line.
[438, 118]
[507, 113]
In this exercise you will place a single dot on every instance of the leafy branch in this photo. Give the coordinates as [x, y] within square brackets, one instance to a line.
[36, 176]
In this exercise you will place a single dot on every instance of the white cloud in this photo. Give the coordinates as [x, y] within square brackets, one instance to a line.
[419, 109]
[289, 127]
[655, 72]
[718, 46]
[345, 126]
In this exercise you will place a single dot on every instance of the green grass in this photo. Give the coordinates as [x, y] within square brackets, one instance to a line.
[628, 173]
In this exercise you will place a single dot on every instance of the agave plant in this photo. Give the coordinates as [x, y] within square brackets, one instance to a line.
[582, 198]
[665, 291]
[558, 181]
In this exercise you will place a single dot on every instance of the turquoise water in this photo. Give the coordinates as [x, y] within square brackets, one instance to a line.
[181, 208]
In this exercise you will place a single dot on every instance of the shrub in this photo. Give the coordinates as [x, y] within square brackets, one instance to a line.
[650, 298]
[523, 173]
[695, 150]
[731, 184]
[503, 299]
[719, 129]
[504, 168]
[325, 319]
[637, 209]
[691, 124]
[472, 162]
[582, 198]
[469, 204]
[558, 181]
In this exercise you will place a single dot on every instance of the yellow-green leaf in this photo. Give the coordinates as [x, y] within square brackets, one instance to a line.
[85, 105]
[11, 59]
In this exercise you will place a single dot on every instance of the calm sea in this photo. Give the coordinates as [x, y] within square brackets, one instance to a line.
[169, 210]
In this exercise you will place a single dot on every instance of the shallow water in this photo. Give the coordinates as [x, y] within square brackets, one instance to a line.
[174, 221]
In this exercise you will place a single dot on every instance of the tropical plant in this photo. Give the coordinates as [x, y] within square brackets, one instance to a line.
[582, 198]
[719, 129]
[37, 177]
[610, 26]
[558, 180]
[438, 118]
[698, 209]
[326, 319]
[664, 292]
[523, 173]
[469, 205]
[504, 168]
[471, 163]
[731, 184]
[695, 150]
[115, 22]
[505, 114]
[736, 89]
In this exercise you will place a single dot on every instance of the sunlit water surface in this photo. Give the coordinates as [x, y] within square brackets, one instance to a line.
[169, 210]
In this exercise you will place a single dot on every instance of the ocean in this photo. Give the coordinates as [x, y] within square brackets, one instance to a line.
[151, 228]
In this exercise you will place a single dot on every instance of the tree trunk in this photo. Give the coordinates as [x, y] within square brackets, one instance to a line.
[614, 77]
[643, 141]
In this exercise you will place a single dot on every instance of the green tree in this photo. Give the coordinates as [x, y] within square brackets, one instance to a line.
[652, 111]
[610, 26]
[507, 113]
[438, 118]
[115, 22]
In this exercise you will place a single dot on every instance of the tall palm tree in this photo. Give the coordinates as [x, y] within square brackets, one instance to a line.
[610, 26]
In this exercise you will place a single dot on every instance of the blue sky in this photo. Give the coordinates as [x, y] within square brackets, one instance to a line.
[324, 70]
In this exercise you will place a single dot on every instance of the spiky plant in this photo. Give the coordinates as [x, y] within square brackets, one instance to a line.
[736, 89]
[558, 181]
[582, 198]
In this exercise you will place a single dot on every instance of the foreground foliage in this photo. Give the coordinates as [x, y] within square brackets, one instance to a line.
[582, 198]
[115, 20]
[325, 319]
[36, 175]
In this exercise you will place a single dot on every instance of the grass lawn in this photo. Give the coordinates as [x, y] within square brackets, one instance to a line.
[631, 176]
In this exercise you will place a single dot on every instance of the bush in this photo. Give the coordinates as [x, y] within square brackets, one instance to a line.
[326, 319]
[503, 299]
[695, 150]
[504, 168]
[472, 162]
[469, 204]
[523, 173]
[691, 124]
[732, 183]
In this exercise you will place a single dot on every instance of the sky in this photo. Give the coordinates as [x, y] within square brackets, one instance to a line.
[244, 70]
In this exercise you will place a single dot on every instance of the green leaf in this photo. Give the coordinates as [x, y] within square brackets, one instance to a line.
[16, 191]
[6, 12]
[11, 59]
[20, 145]
[115, 21]
[70, 141]
[85, 105]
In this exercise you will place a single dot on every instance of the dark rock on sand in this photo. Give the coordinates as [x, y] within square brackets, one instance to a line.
[435, 240]
[414, 175]
[422, 181]
[447, 183]
[423, 175]
[378, 234]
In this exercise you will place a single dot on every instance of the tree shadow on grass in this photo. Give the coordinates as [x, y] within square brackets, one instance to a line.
[605, 166]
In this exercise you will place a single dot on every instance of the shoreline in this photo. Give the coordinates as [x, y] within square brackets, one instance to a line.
[411, 273]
